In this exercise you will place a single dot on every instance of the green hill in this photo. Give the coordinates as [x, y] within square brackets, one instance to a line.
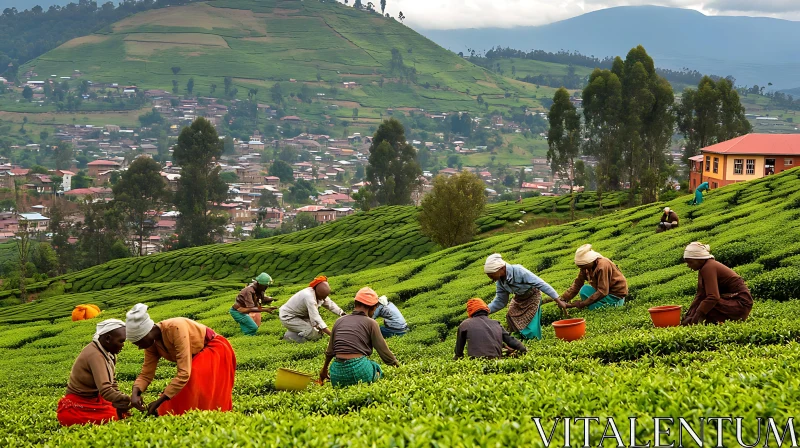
[623, 367]
[260, 42]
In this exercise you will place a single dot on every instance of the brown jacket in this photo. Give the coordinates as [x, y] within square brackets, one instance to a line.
[248, 298]
[606, 278]
[714, 282]
[181, 339]
[484, 338]
[93, 374]
[671, 217]
[358, 333]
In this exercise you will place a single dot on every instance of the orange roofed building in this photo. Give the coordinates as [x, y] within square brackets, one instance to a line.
[748, 157]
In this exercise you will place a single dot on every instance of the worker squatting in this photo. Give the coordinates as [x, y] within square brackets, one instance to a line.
[206, 362]
[667, 432]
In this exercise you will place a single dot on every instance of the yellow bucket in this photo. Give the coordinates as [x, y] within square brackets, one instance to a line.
[288, 379]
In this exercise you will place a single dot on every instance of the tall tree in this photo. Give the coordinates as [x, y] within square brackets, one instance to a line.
[393, 170]
[449, 212]
[197, 150]
[63, 155]
[141, 194]
[23, 252]
[282, 170]
[710, 114]
[101, 236]
[564, 140]
[383, 6]
[190, 85]
[602, 106]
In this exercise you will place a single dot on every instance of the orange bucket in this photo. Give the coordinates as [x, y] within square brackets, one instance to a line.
[666, 316]
[570, 329]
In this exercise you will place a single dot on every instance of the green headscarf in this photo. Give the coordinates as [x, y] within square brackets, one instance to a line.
[263, 279]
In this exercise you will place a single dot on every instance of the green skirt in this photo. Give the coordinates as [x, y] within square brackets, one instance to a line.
[354, 371]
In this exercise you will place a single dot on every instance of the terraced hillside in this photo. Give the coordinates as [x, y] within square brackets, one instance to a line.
[259, 42]
[623, 367]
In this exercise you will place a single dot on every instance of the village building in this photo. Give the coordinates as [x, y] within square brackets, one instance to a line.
[748, 157]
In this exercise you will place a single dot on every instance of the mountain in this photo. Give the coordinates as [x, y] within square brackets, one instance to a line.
[621, 367]
[256, 43]
[754, 50]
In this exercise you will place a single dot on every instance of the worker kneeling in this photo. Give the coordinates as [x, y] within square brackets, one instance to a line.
[300, 314]
[721, 293]
[247, 308]
[607, 286]
[352, 340]
[669, 220]
[484, 337]
[92, 392]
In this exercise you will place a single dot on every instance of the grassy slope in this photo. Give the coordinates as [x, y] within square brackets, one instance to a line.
[380, 237]
[259, 42]
[645, 372]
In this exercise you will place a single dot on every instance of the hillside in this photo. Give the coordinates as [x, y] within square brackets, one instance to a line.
[754, 50]
[257, 43]
[623, 367]
[381, 237]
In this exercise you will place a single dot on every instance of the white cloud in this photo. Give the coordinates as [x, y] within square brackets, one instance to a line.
[448, 14]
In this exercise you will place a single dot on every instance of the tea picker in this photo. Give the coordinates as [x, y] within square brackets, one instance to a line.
[524, 312]
[247, 308]
[607, 286]
[484, 337]
[300, 314]
[698, 194]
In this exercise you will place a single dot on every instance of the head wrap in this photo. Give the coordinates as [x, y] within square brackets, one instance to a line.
[493, 264]
[317, 280]
[666, 210]
[383, 300]
[107, 326]
[138, 322]
[474, 305]
[585, 255]
[263, 279]
[698, 251]
[367, 296]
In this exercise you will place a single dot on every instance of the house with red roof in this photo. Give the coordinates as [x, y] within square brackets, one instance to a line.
[751, 156]
[100, 166]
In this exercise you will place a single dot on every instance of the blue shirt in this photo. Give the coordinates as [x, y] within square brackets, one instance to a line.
[518, 281]
[392, 318]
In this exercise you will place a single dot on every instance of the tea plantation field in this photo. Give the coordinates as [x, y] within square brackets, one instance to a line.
[622, 368]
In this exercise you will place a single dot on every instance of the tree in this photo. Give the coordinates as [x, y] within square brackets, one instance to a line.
[301, 191]
[355, 113]
[276, 93]
[213, 88]
[141, 194]
[227, 145]
[305, 220]
[101, 233]
[563, 140]
[401, 16]
[63, 155]
[602, 104]
[81, 180]
[228, 82]
[383, 6]
[268, 200]
[197, 150]
[23, 251]
[229, 177]
[282, 170]
[190, 85]
[27, 93]
[393, 170]
[61, 229]
[449, 211]
[174, 86]
[357, 4]
[176, 70]
[710, 114]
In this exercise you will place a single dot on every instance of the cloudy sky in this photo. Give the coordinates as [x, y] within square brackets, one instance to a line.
[445, 14]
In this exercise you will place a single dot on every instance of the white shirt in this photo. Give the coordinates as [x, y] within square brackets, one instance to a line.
[305, 305]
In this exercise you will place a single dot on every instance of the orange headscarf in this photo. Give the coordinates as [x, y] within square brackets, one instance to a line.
[474, 305]
[367, 296]
[317, 280]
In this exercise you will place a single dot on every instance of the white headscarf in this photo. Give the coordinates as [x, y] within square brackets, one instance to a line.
[698, 251]
[493, 264]
[107, 326]
[138, 322]
[666, 209]
[383, 300]
[585, 255]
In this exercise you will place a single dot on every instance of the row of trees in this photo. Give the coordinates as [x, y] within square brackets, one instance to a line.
[629, 119]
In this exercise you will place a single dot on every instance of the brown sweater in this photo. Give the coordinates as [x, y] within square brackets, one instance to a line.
[93, 374]
[716, 281]
[606, 278]
[485, 337]
[670, 217]
[357, 333]
[248, 298]
[181, 339]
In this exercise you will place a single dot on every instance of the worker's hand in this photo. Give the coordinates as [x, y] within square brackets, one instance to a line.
[563, 305]
[323, 375]
[691, 319]
[326, 331]
[136, 399]
[270, 309]
[153, 408]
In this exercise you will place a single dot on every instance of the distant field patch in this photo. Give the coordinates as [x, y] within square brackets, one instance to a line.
[145, 44]
[90, 39]
[193, 16]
